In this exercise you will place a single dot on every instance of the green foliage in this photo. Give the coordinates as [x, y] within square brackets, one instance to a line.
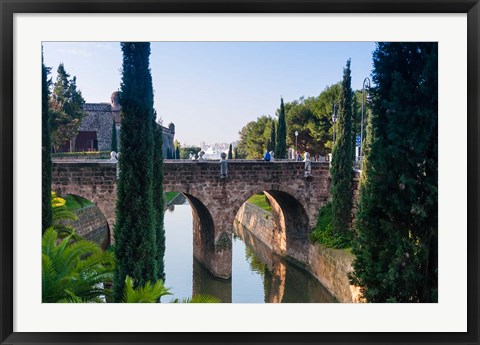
[186, 151]
[73, 271]
[230, 153]
[60, 211]
[170, 196]
[235, 151]
[281, 140]
[47, 219]
[113, 146]
[135, 230]
[177, 152]
[341, 167]
[74, 202]
[198, 298]
[158, 200]
[273, 137]
[66, 107]
[147, 293]
[301, 118]
[261, 201]
[254, 137]
[397, 219]
[83, 155]
[325, 234]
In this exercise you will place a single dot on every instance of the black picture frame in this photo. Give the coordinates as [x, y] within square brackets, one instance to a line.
[9, 7]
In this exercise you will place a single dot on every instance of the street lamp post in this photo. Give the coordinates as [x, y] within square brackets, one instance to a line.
[334, 120]
[296, 144]
[366, 80]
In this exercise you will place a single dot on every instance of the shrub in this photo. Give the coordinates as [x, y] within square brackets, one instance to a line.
[324, 232]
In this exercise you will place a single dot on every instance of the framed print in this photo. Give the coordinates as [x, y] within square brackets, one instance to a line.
[255, 105]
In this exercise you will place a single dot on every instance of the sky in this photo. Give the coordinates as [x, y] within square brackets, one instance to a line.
[210, 90]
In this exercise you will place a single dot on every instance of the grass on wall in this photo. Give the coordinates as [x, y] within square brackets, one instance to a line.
[261, 201]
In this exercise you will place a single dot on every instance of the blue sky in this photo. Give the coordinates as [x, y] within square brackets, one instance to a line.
[210, 90]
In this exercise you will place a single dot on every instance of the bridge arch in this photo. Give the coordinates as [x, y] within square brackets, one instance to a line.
[92, 223]
[289, 236]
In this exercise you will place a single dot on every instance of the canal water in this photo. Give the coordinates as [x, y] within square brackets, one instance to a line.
[258, 276]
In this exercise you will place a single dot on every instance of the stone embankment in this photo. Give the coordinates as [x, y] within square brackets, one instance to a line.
[91, 225]
[329, 266]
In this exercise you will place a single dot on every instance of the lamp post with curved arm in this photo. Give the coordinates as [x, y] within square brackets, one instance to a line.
[296, 144]
[334, 120]
[366, 80]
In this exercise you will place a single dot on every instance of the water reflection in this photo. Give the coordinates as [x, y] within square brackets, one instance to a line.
[258, 275]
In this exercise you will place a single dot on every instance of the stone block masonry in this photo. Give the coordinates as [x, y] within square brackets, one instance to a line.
[295, 199]
[91, 225]
[329, 266]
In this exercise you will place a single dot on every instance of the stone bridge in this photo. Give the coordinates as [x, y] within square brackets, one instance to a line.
[215, 201]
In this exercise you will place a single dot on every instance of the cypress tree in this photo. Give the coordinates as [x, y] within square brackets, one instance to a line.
[135, 240]
[46, 153]
[272, 136]
[177, 152]
[113, 146]
[158, 200]
[236, 152]
[396, 249]
[281, 140]
[342, 168]
[230, 153]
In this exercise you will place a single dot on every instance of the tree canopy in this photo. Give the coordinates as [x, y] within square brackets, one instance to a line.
[397, 220]
[66, 107]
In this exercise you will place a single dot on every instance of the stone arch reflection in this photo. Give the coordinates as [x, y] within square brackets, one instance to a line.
[91, 223]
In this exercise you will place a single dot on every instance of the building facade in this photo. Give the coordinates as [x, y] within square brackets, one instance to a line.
[95, 131]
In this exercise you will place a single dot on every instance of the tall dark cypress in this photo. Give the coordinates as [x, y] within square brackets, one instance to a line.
[342, 167]
[135, 235]
[230, 153]
[113, 146]
[46, 153]
[281, 140]
[273, 136]
[158, 200]
[396, 249]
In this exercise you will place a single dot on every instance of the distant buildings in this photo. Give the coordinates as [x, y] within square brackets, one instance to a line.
[95, 131]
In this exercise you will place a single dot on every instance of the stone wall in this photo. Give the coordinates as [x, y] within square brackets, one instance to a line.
[329, 266]
[91, 225]
[94, 181]
[99, 117]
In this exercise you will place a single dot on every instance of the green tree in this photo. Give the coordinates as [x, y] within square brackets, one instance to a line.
[46, 152]
[302, 118]
[235, 151]
[135, 233]
[113, 146]
[397, 220]
[281, 140]
[230, 153]
[254, 137]
[324, 110]
[66, 106]
[158, 199]
[177, 152]
[186, 151]
[273, 137]
[341, 168]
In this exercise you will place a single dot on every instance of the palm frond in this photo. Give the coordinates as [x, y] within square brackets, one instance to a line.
[148, 293]
[198, 298]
